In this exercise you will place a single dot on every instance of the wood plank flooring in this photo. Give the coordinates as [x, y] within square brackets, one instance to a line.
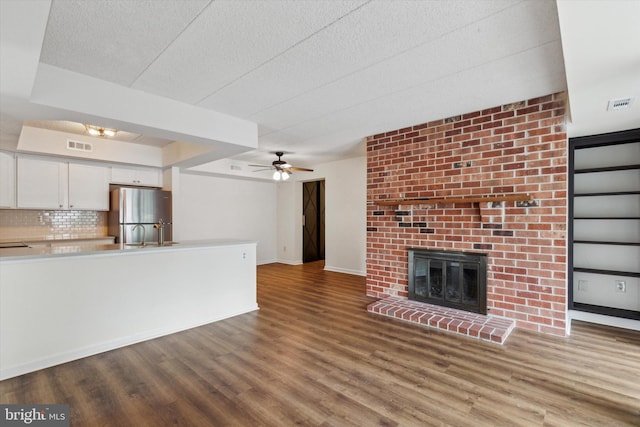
[312, 355]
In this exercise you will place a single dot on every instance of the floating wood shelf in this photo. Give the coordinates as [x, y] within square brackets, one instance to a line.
[476, 199]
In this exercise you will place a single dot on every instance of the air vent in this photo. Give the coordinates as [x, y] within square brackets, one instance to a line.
[619, 104]
[79, 146]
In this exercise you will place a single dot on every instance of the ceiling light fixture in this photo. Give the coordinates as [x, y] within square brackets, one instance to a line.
[98, 131]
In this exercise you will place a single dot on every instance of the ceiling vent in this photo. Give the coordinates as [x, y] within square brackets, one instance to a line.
[619, 104]
[79, 146]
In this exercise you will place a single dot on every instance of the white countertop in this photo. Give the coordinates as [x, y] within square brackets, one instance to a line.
[32, 253]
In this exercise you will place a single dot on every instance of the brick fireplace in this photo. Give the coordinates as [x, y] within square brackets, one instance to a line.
[518, 149]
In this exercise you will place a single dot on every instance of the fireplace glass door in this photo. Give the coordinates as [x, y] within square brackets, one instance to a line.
[452, 279]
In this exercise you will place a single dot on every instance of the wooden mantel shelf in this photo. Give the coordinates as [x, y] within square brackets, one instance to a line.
[476, 199]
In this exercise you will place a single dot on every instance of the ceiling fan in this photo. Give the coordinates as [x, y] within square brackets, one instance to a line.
[281, 169]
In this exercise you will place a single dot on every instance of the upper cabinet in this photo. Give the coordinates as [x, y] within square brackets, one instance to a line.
[148, 177]
[52, 184]
[34, 182]
[42, 184]
[7, 180]
[88, 187]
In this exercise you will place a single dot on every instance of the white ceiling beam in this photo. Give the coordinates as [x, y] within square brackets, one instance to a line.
[22, 29]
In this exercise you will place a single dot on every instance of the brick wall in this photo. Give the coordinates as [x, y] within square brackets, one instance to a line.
[514, 148]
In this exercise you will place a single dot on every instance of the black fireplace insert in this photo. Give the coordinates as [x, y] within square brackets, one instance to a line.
[450, 279]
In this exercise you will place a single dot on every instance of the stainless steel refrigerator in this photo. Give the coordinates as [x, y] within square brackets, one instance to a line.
[136, 214]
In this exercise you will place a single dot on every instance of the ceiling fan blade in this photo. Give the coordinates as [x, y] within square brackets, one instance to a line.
[280, 166]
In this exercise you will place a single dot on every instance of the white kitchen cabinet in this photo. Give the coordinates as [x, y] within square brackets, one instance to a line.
[7, 180]
[53, 184]
[42, 183]
[148, 177]
[88, 187]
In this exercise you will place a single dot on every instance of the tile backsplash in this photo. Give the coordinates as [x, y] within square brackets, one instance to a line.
[22, 224]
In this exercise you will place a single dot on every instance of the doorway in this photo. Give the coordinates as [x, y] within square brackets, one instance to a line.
[313, 221]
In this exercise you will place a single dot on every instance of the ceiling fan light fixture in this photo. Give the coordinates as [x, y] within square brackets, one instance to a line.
[281, 175]
[281, 169]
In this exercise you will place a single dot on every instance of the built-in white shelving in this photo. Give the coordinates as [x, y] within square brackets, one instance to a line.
[605, 224]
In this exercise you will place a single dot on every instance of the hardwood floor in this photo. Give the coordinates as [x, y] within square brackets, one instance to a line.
[312, 355]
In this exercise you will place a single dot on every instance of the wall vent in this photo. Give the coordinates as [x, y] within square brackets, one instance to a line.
[619, 104]
[79, 146]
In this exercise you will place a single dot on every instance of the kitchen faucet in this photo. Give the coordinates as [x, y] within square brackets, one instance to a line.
[143, 232]
[160, 227]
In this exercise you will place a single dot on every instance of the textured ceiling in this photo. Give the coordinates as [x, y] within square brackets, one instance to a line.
[316, 76]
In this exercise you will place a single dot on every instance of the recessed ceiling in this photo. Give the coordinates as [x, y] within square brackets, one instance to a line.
[80, 129]
[316, 76]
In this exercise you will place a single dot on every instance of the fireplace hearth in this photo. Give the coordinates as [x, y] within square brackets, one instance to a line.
[449, 279]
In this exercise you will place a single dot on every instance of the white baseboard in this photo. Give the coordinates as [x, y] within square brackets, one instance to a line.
[345, 270]
[289, 261]
[601, 319]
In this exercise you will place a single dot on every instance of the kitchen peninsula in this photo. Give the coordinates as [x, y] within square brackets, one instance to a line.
[64, 303]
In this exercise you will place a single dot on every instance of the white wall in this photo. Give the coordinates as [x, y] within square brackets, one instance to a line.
[212, 207]
[207, 207]
[345, 215]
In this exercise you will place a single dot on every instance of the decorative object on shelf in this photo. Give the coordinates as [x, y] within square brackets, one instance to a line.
[100, 131]
[282, 169]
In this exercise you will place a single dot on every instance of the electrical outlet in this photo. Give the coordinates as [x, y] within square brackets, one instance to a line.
[621, 286]
[583, 285]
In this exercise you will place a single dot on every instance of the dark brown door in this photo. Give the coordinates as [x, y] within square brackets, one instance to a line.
[313, 228]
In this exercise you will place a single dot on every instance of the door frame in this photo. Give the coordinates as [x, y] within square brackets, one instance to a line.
[319, 203]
